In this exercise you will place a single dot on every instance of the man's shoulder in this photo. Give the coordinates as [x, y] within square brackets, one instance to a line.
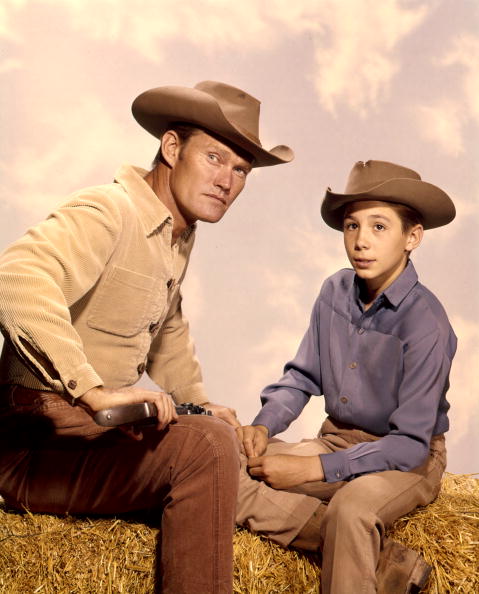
[108, 198]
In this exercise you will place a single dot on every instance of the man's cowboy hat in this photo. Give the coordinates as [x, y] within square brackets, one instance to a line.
[225, 110]
[387, 182]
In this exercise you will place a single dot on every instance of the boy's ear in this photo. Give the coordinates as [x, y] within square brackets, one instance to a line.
[415, 236]
[170, 147]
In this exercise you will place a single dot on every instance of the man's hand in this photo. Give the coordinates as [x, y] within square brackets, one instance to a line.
[283, 471]
[223, 412]
[99, 398]
[253, 439]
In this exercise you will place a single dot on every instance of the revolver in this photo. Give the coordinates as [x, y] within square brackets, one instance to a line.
[141, 413]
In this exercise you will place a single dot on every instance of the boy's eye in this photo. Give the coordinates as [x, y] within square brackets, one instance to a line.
[379, 227]
[350, 226]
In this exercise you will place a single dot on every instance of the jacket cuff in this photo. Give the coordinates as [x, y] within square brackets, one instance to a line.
[79, 381]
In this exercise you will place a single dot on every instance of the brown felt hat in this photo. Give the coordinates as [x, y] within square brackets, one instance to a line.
[387, 182]
[225, 110]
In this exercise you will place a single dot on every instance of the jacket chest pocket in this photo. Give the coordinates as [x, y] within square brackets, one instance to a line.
[123, 303]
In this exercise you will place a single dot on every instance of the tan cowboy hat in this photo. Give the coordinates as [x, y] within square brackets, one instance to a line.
[225, 110]
[380, 180]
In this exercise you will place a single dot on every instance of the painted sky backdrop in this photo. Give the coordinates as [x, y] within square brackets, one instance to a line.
[340, 81]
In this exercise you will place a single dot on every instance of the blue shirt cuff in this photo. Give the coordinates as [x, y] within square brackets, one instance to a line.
[335, 467]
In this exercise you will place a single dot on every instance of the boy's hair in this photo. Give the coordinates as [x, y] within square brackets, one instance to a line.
[409, 216]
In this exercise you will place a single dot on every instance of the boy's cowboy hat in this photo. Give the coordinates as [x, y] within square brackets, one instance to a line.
[387, 182]
[225, 110]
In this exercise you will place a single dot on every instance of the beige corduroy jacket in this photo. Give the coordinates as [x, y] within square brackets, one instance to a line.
[91, 296]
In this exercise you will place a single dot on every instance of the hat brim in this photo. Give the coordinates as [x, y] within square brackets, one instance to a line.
[434, 205]
[156, 109]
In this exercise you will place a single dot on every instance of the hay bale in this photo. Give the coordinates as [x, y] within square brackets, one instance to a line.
[45, 554]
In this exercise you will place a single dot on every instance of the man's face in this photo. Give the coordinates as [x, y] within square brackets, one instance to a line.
[206, 178]
[376, 244]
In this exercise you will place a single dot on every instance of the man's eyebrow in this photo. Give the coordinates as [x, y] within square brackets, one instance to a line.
[227, 152]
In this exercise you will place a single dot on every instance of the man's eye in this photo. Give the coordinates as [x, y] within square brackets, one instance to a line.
[241, 171]
[213, 157]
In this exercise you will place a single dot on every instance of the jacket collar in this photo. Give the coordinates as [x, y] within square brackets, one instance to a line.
[152, 212]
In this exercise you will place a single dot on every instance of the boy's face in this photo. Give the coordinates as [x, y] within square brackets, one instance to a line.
[376, 244]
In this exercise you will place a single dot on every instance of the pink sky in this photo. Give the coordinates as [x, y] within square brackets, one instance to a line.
[340, 81]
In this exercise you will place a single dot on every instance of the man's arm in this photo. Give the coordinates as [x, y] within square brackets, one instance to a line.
[284, 400]
[46, 271]
[172, 364]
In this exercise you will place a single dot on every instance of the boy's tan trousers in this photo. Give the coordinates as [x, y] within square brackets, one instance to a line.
[353, 514]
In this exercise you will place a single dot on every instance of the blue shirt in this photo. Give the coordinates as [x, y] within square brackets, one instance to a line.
[384, 370]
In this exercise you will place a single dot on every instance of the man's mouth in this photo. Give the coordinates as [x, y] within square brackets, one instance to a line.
[219, 198]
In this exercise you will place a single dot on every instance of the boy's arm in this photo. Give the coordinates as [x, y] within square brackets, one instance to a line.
[427, 363]
[284, 400]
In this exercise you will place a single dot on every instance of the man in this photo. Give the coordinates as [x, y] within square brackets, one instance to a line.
[89, 300]
[379, 348]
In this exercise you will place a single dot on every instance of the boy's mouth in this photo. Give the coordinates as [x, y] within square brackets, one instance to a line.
[363, 262]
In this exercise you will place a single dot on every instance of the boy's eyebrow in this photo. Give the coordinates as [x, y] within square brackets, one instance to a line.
[373, 216]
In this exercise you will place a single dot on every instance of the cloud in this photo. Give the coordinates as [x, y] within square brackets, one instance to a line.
[464, 379]
[357, 66]
[464, 53]
[355, 43]
[80, 143]
[445, 121]
[442, 123]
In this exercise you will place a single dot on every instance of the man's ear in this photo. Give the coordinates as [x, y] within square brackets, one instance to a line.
[414, 239]
[170, 147]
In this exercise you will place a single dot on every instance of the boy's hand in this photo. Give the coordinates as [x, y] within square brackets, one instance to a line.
[283, 471]
[253, 439]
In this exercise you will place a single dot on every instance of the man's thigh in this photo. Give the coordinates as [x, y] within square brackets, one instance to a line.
[63, 463]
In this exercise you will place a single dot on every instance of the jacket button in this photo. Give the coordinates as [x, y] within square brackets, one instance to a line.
[169, 283]
[141, 368]
[72, 384]
[360, 330]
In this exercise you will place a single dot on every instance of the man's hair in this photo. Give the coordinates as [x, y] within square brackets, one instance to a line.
[184, 131]
[410, 217]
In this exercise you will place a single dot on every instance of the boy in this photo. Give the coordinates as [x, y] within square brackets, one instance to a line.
[379, 348]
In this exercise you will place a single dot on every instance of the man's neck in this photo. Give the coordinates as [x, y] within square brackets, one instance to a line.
[158, 180]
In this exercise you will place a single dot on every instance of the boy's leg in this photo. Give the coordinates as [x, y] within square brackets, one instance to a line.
[355, 520]
[188, 472]
[280, 515]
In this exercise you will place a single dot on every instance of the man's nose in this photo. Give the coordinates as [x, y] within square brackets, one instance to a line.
[223, 178]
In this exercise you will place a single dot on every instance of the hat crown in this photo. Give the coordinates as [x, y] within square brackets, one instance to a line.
[239, 107]
[366, 175]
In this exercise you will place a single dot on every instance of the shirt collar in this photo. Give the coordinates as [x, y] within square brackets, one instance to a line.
[398, 290]
[152, 212]
[402, 286]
